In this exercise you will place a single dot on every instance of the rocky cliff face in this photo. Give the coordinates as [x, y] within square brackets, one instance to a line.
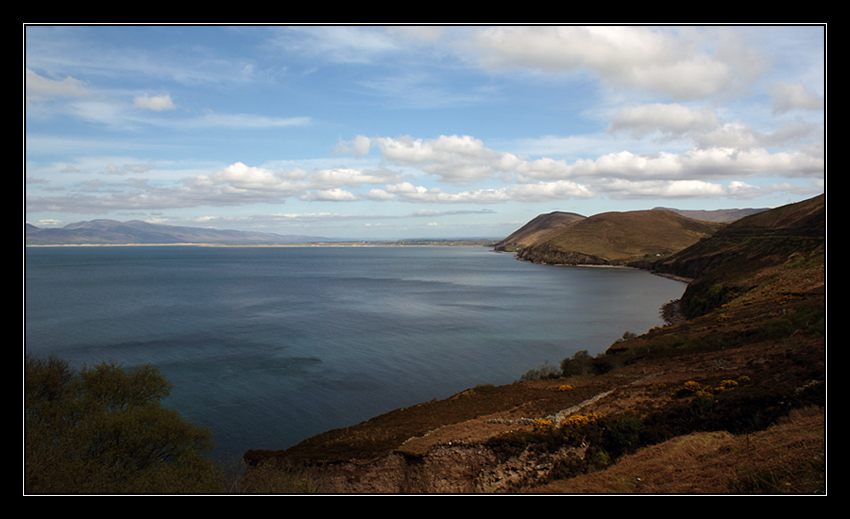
[446, 469]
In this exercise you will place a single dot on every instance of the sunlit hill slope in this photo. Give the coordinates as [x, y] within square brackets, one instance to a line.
[612, 238]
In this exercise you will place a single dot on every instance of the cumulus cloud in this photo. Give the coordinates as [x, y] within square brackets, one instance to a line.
[670, 61]
[326, 183]
[533, 192]
[330, 195]
[725, 151]
[699, 163]
[455, 159]
[703, 127]
[680, 189]
[671, 121]
[787, 97]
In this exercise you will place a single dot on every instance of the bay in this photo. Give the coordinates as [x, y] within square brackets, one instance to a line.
[268, 346]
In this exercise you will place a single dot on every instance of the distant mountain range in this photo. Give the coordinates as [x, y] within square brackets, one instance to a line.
[113, 232]
[718, 215]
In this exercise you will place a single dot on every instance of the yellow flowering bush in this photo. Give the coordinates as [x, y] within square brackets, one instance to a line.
[692, 386]
[565, 387]
[542, 425]
[726, 384]
[579, 420]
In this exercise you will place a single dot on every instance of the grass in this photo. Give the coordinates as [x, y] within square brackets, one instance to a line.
[786, 458]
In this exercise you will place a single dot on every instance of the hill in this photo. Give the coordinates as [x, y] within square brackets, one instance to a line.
[729, 400]
[717, 215]
[761, 255]
[112, 232]
[615, 238]
[535, 230]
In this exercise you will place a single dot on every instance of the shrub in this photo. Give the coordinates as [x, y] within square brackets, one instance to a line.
[580, 364]
[622, 434]
[103, 430]
[543, 372]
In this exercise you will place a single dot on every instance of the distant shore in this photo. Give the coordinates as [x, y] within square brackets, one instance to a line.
[413, 243]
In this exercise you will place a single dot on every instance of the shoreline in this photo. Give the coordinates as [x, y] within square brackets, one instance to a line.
[591, 265]
[458, 243]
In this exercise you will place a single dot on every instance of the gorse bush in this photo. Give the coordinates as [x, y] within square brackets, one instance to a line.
[103, 429]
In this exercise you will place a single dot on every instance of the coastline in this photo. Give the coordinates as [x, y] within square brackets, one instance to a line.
[458, 243]
[591, 265]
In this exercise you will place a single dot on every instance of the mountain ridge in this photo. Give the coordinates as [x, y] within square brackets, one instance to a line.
[716, 215]
[136, 232]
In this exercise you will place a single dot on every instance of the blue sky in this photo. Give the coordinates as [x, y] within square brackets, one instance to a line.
[389, 132]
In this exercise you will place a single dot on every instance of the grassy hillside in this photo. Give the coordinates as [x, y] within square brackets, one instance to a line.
[768, 254]
[617, 238]
[535, 230]
[730, 400]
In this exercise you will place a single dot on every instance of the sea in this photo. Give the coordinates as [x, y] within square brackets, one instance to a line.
[268, 346]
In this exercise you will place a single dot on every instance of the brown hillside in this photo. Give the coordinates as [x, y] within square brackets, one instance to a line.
[535, 230]
[617, 238]
[766, 253]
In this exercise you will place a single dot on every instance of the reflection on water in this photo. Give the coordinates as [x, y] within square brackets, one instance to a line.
[268, 346]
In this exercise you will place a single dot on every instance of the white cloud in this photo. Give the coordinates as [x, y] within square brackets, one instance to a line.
[328, 178]
[787, 97]
[666, 60]
[704, 128]
[342, 44]
[699, 163]
[453, 158]
[245, 121]
[358, 147]
[626, 189]
[39, 88]
[671, 121]
[155, 103]
[330, 195]
[533, 192]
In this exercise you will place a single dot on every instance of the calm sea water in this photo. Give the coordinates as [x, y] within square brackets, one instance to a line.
[269, 346]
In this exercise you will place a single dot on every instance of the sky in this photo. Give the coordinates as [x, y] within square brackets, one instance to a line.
[410, 132]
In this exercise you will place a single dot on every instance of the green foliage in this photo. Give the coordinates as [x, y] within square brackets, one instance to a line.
[545, 371]
[700, 299]
[583, 364]
[103, 430]
[580, 364]
[604, 363]
[622, 433]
